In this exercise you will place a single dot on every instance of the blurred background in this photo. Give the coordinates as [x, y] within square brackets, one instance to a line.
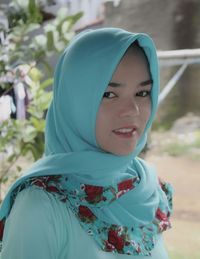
[34, 33]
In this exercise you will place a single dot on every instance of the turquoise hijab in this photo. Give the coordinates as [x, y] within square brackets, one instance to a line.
[81, 77]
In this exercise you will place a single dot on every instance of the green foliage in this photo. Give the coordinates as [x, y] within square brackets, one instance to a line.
[176, 148]
[24, 60]
[188, 144]
[197, 139]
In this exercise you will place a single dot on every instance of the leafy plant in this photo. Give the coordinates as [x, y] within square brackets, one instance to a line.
[26, 46]
[176, 148]
[183, 144]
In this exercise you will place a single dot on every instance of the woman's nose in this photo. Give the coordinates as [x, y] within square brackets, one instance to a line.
[129, 108]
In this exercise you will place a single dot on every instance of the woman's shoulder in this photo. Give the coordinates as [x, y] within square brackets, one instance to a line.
[37, 201]
[36, 225]
[37, 215]
[37, 210]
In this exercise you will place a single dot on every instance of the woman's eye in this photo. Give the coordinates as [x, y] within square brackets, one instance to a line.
[109, 95]
[143, 93]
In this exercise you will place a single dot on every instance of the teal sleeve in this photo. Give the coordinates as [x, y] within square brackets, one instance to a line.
[32, 229]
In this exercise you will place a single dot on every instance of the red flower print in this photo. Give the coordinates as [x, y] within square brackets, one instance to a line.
[48, 183]
[1, 229]
[94, 193]
[90, 189]
[44, 181]
[109, 247]
[115, 240]
[39, 182]
[86, 214]
[126, 185]
[161, 215]
[164, 226]
[52, 189]
[164, 222]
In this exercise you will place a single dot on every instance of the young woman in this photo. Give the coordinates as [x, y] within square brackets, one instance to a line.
[90, 196]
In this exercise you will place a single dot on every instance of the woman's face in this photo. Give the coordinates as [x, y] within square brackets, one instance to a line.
[126, 105]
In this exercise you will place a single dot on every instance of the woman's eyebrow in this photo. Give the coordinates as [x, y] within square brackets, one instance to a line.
[143, 83]
[147, 82]
[115, 84]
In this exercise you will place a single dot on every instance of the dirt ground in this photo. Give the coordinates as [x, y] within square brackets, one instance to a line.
[183, 240]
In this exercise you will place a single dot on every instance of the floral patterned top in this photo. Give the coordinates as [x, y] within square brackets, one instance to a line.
[83, 199]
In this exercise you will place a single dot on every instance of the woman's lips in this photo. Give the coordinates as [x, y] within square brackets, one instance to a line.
[126, 132]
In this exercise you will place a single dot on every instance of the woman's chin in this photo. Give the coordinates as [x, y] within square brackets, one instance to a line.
[122, 152]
